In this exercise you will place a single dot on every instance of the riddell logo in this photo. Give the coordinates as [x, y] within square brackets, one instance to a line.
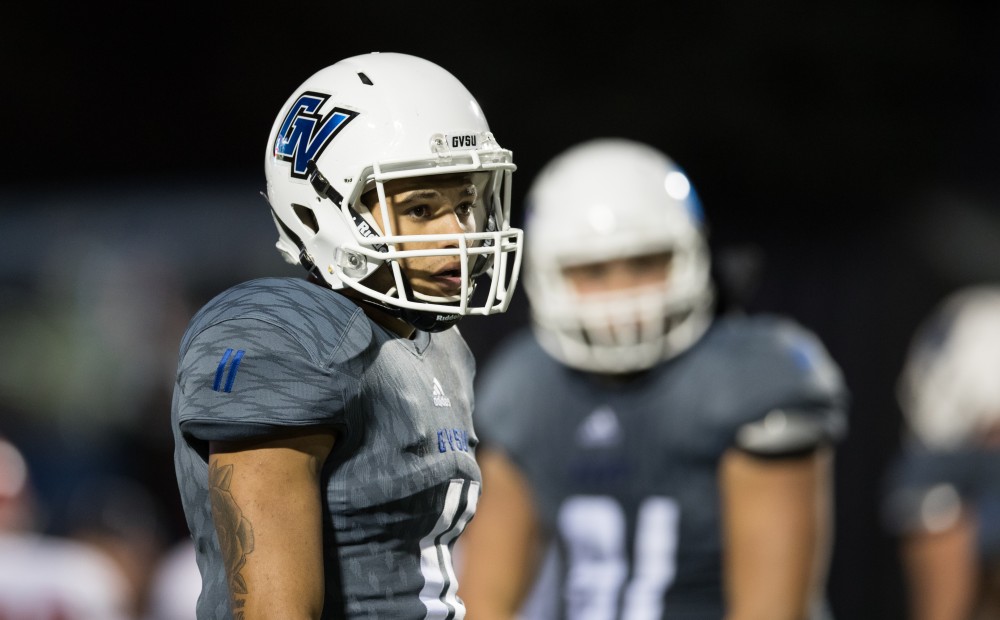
[365, 229]
[440, 400]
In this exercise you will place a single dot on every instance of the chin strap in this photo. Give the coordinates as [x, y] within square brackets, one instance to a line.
[430, 321]
[424, 320]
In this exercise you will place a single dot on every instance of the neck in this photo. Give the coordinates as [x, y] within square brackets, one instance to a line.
[394, 324]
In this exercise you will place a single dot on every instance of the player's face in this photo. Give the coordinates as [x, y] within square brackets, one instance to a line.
[619, 275]
[433, 205]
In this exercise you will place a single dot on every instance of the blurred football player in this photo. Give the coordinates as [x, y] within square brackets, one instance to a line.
[676, 464]
[175, 584]
[46, 576]
[943, 490]
[323, 425]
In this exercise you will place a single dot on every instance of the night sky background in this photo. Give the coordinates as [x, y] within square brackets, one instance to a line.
[846, 153]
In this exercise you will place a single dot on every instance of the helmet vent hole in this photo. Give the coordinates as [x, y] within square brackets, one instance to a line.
[364, 79]
[307, 217]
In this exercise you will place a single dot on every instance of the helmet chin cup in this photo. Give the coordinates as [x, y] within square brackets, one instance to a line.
[424, 320]
[429, 321]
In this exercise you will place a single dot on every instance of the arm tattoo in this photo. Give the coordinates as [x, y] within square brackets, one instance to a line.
[235, 533]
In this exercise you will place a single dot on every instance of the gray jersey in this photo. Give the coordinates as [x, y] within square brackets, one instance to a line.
[926, 490]
[624, 474]
[401, 482]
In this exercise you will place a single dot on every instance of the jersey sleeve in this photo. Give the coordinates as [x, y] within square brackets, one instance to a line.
[793, 393]
[249, 378]
[925, 490]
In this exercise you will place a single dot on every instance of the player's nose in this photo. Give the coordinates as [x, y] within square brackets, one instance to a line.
[450, 224]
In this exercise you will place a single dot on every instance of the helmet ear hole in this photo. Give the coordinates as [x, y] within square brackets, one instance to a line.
[306, 216]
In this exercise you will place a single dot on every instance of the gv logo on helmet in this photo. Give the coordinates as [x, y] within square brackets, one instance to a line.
[304, 134]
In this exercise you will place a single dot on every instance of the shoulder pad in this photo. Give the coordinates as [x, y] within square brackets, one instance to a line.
[784, 432]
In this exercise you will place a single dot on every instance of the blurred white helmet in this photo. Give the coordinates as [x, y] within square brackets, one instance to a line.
[367, 120]
[949, 389]
[609, 199]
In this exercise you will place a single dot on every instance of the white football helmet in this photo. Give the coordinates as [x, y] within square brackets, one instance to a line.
[949, 389]
[607, 199]
[367, 120]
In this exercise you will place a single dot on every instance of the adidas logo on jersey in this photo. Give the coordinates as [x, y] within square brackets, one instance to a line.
[600, 429]
[440, 400]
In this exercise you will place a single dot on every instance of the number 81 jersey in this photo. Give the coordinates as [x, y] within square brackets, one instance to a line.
[624, 473]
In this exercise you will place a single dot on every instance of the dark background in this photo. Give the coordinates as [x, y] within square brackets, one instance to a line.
[849, 149]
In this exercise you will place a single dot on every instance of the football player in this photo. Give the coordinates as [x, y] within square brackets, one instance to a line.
[49, 576]
[324, 441]
[661, 460]
[943, 489]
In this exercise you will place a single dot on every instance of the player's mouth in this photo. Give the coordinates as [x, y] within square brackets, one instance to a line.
[449, 279]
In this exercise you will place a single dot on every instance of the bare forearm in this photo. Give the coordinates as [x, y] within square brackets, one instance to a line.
[777, 532]
[267, 513]
[942, 572]
[501, 546]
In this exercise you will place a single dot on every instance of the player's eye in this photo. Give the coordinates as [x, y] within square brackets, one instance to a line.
[417, 212]
[590, 272]
[650, 262]
[464, 210]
